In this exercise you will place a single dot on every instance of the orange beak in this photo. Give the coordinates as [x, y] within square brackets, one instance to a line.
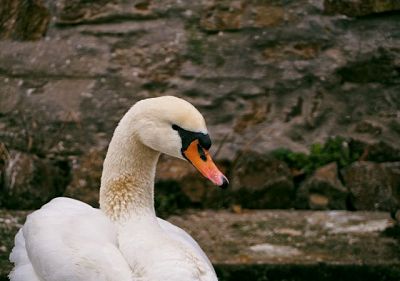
[201, 159]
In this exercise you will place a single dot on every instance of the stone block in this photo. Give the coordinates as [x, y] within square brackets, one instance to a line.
[323, 190]
[372, 186]
[29, 181]
[260, 181]
[354, 8]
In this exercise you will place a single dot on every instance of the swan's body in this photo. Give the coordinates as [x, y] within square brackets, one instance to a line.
[67, 240]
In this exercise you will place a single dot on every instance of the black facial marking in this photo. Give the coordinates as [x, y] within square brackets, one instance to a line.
[201, 153]
[205, 141]
[188, 137]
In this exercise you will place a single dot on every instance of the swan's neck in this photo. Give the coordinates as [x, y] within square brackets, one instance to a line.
[127, 182]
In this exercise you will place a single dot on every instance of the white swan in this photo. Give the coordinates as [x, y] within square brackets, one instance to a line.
[68, 240]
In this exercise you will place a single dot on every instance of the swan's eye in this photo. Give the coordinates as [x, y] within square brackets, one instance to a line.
[205, 141]
[188, 137]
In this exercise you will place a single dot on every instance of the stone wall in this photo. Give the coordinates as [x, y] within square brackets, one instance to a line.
[266, 75]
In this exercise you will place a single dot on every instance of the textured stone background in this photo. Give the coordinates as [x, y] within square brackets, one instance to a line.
[266, 75]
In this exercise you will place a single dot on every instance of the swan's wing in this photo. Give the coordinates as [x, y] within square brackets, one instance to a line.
[67, 240]
[23, 269]
[182, 236]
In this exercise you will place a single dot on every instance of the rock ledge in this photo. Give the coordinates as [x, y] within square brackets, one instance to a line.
[279, 245]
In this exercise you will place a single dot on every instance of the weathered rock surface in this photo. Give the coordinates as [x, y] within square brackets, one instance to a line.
[29, 182]
[23, 19]
[361, 7]
[373, 186]
[394, 169]
[278, 245]
[265, 74]
[323, 190]
[381, 152]
[261, 182]
[86, 171]
[299, 237]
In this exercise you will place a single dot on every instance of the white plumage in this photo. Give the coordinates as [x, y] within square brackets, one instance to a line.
[68, 240]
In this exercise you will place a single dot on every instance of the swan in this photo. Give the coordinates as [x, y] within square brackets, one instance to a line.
[68, 240]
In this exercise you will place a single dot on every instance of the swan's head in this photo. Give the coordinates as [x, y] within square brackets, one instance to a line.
[173, 126]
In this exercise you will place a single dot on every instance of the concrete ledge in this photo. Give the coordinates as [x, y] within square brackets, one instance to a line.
[297, 245]
[278, 245]
[303, 272]
[294, 237]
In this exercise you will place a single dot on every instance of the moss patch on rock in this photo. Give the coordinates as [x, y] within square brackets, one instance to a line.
[336, 149]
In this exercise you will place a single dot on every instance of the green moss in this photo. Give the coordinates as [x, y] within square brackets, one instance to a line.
[336, 149]
[296, 160]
